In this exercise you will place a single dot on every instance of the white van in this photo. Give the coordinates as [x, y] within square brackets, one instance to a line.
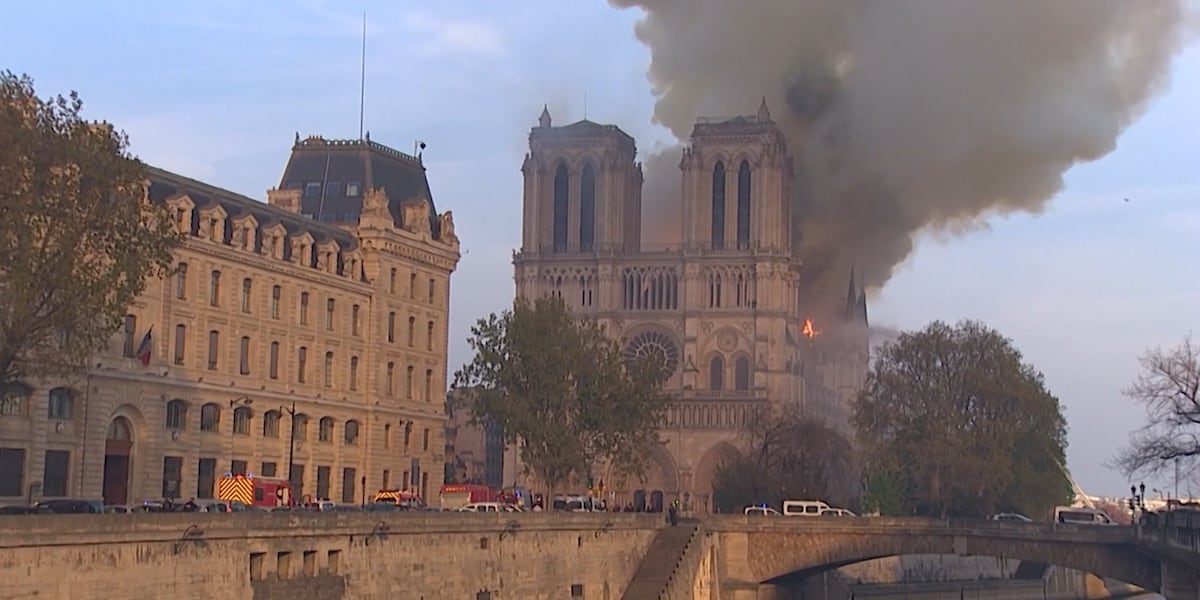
[803, 508]
[1073, 515]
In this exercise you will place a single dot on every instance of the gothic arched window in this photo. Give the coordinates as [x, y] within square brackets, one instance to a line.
[743, 205]
[561, 186]
[716, 374]
[718, 206]
[741, 373]
[587, 208]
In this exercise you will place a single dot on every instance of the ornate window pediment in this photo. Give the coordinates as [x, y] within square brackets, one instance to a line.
[212, 223]
[302, 246]
[245, 233]
[273, 237]
[352, 264]
[327, 256]
[181, 207]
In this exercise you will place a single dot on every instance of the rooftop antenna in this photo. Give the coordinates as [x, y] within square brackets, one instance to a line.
[362, 85]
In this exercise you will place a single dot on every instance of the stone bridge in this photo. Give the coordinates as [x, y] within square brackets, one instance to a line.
[759, 557]
[330, 556]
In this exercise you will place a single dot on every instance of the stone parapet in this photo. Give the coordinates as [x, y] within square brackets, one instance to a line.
[309, 556]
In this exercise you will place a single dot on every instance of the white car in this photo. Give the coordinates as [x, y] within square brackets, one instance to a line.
[837, 512]
[1012, 518]
[761, 511]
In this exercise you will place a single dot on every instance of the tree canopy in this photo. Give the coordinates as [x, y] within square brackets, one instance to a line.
[951, 422]
[787, 458]
[558, 387]
[78, 234]
[1169, 388]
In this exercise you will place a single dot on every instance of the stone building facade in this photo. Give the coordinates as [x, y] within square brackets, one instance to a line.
[724, 307]
[310, 330]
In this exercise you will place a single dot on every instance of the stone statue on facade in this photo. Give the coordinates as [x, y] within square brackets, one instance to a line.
[447, 223]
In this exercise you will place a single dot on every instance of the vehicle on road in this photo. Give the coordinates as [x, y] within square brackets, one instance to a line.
[1077, 515]
[803, 508]
[1011, 517]
[761, 511]
[836, 512]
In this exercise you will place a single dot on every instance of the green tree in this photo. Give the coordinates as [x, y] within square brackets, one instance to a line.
[78, 234]
[557, 386]
[885, 493]
[952, 414]
[787, 457]
[1169, 388]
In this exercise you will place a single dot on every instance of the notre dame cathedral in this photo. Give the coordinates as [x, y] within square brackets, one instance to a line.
[724, 308]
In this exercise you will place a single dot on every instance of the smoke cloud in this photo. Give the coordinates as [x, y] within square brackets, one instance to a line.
[907, 116]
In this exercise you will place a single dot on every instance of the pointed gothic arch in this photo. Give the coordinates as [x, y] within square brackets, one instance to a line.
[587, 207]
[743, 205]
[718, 205]
[562, 186]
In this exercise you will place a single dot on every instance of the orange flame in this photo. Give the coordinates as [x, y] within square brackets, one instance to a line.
[809, 331]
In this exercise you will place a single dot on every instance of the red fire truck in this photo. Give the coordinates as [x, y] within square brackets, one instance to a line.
[255, 491]
[454, 496]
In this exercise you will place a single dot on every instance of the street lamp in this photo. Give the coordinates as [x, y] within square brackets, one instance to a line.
[291, 444]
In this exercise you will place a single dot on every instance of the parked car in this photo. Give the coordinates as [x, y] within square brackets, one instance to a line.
[836, 512]
[761, 511]
[1012, 517]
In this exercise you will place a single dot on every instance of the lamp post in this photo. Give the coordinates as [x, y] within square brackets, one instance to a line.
[291, 443]
[243, 401]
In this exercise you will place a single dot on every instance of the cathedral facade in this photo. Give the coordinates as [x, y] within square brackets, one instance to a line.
[723, 309]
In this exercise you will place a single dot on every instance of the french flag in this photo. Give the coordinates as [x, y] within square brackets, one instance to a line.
[146, 348]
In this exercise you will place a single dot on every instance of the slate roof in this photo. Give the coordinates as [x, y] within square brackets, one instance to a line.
[326, 171]
[165, 184]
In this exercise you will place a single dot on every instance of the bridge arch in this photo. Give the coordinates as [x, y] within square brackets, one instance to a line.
[791, 549]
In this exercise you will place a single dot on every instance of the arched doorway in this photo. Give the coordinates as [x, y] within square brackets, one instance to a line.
[118, 446]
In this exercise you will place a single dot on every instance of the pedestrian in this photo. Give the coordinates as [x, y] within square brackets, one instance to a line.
[672, 516]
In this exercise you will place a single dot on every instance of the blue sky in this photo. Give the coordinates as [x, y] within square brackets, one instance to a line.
[217, 90]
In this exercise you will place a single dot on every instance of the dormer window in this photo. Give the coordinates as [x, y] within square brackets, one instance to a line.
[353, 189]
[245, 233]
[302, 249]
[181, 209]
[212, 224]
[312, 190]
[273, 241]
[333, 189]
[327, 255]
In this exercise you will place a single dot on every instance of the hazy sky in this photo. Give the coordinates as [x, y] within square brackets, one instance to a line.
[217, 90]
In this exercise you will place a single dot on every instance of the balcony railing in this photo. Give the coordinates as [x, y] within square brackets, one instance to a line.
[608, 249]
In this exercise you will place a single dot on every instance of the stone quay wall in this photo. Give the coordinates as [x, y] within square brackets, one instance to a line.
[321, 556]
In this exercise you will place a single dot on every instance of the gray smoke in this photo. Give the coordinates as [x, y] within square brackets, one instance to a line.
[907, 116]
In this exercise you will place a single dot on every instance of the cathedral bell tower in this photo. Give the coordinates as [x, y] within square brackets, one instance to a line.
[583, 189]
[737, 178]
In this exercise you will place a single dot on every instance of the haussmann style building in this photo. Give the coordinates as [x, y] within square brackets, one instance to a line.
[307, 331]
[724, 308]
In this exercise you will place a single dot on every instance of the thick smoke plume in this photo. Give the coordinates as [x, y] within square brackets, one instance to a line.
[907, 116]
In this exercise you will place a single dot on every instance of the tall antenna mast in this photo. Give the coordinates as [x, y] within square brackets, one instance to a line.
[362, 86]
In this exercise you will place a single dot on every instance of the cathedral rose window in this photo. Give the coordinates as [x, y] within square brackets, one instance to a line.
[653, 344]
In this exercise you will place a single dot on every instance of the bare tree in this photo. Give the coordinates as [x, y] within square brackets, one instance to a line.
[1169, 388]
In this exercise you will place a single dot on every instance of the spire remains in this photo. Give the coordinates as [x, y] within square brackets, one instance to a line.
[544, 120]
[763, 113]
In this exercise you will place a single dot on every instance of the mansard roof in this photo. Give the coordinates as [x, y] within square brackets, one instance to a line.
[165, 184]
[327, 171]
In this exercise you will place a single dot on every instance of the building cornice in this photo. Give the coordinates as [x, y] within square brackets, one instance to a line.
[283, 268]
